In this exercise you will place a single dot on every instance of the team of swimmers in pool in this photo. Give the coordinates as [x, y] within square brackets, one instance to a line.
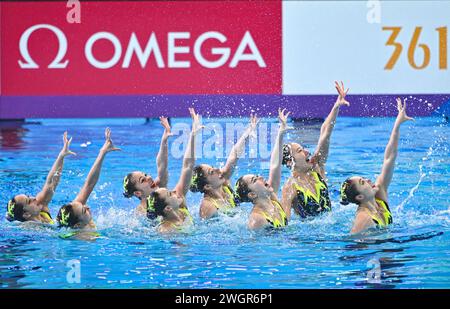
[305, 192]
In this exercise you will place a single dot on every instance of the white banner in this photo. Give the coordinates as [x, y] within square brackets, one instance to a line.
[376, 47]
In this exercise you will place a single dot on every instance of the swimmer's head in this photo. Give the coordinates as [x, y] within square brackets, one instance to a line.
[249, 187]
[162, 202]
[74, 215]
[138, 184]
[205, 178]
[295, 156]
[22, 208]
[357, 190]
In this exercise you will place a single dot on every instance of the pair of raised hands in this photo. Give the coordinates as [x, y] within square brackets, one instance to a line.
[283, 115]
[108, 146]
[401, 107]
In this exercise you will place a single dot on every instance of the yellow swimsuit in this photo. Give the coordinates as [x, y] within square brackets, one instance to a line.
[180, 228]
[231, 204]
[274, 222]
[47, 217]
[387, 216]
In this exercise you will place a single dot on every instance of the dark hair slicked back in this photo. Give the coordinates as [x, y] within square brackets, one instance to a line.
[241, 191]
[158, 203]
[66, 216]
[14, 211]
[128, 186]
[198, 180]
[348, 192]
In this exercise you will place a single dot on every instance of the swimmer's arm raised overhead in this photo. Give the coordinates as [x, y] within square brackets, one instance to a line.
[277, 153]
[390, 154]
[238, 148]
[288, 197]
[45, 196]
[184, 181]
[323, 146]
[163, 155]
[94, 173]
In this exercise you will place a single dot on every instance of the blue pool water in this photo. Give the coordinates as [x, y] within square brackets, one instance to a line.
[413, 253]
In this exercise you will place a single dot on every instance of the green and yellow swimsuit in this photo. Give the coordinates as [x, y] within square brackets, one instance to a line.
[274, 222]
[312, 204]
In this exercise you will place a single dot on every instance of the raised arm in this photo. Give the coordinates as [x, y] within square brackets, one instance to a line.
[238, 148]
[94, 173]
[323, 146]
[288, 198]
[390, 154]
[163, 155]
[45, 196]
[184, 181]
[277, 153]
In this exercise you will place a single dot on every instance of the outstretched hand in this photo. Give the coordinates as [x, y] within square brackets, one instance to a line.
[66, 151]
[165, 123]
[196, 122]
[342, 93]
[401, 107]
[283, 118]
[254, 121]
[109, 146]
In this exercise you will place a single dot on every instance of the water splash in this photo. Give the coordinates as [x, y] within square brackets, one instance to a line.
[437, 150]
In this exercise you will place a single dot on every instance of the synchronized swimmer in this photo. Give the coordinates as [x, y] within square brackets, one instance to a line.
[35, 209]
[171, 204]
[214, 183]
[267, 210]
[373, 210]
[77, 215]
[305, 192]
[140, 184]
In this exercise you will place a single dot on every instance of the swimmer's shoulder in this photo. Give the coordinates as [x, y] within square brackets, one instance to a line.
[141, 210]
[256, 220]
[45, 217]
[38, 224]
[362, 222]
[90, 236]
[165, 228]
[207, 209]
[289, 183]
[289, 188]
[80, 235]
